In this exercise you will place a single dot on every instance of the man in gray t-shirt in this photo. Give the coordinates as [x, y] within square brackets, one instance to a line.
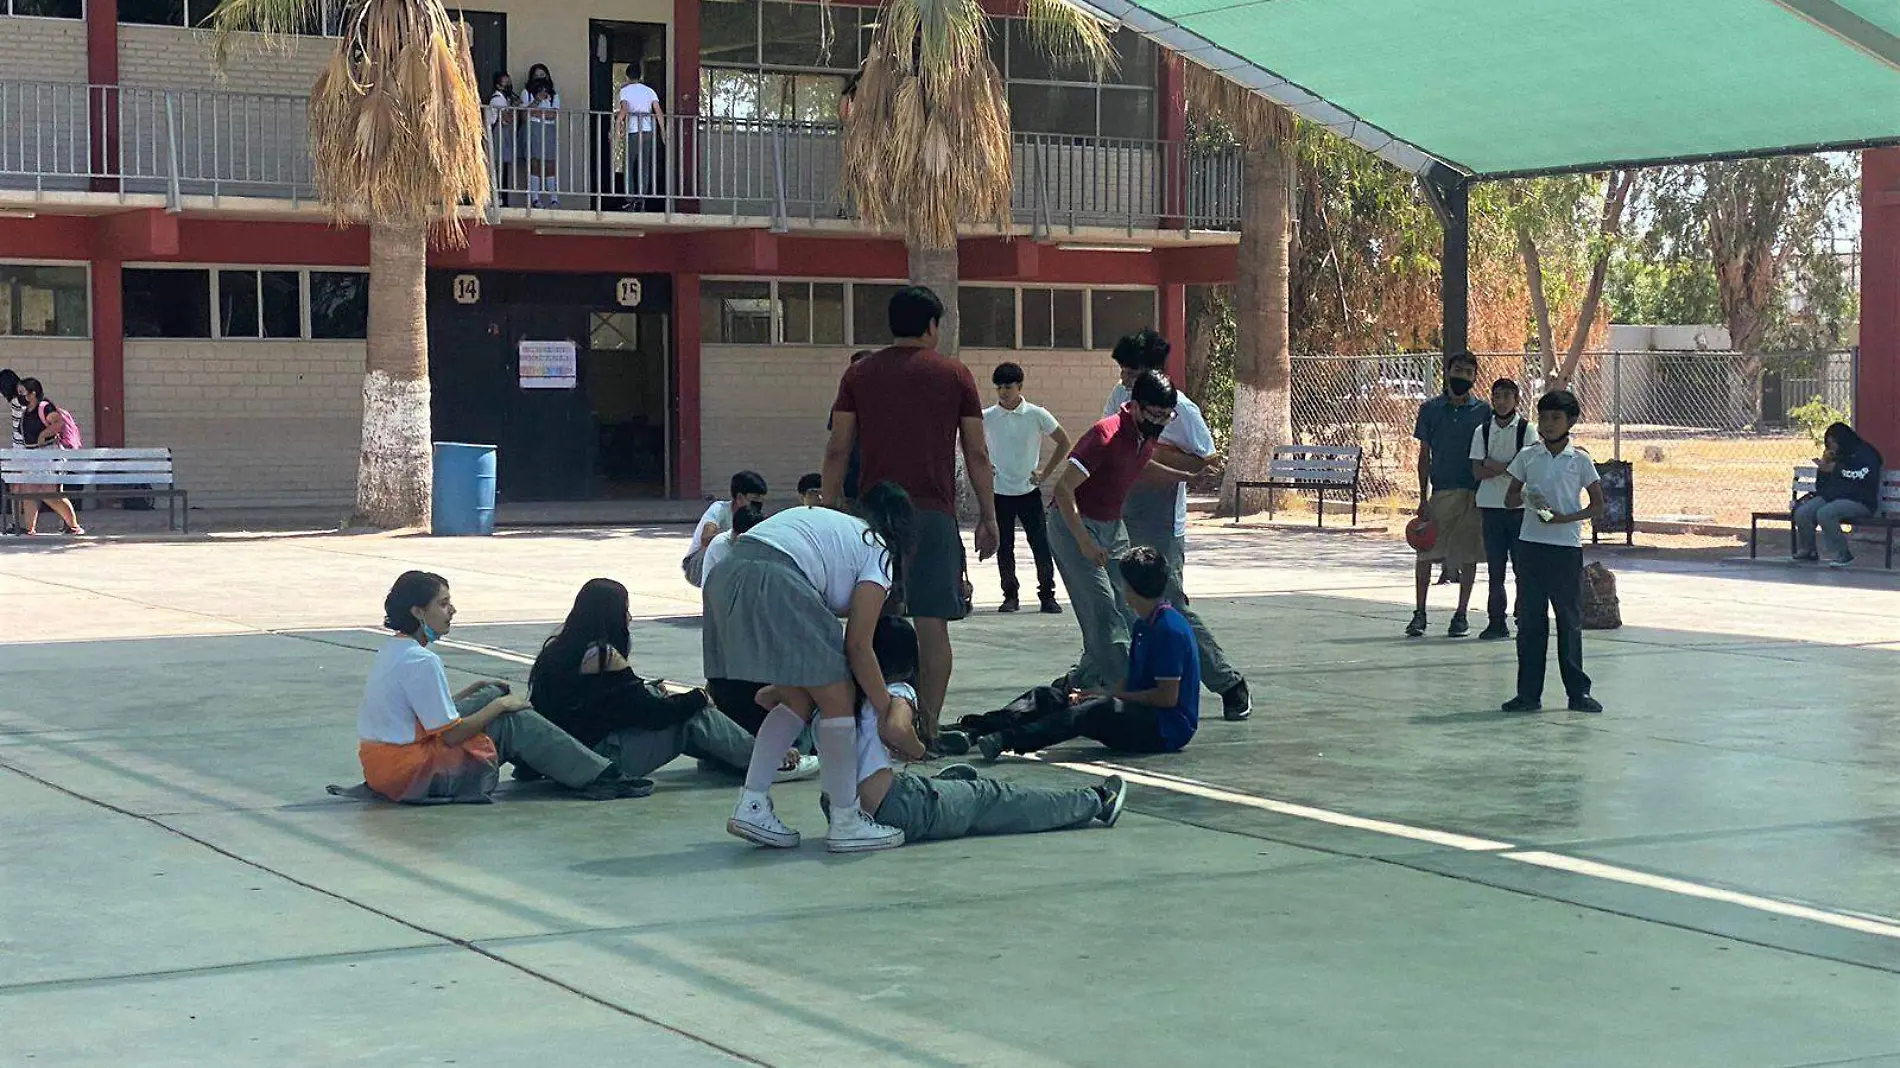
[1448, 488]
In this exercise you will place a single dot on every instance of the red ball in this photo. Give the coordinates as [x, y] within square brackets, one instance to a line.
[1421, 534]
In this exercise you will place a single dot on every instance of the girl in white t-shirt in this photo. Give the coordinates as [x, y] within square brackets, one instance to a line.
[772, 611]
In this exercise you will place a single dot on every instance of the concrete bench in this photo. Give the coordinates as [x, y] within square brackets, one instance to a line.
[1319, 468]
[99, 474]
[1886, 518]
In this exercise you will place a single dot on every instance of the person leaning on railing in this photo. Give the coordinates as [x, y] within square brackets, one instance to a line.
[639, 116]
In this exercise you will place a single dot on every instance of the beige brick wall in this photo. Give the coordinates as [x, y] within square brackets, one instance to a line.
[255, 424]
[63, 366]
[764, 407]
[173, 57]
[44, 50]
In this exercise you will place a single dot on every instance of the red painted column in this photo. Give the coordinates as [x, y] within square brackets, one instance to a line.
[1173, 326]
[1877, 388]
[686, 386]
[108, 353]
[1171, 94]
[102, 101]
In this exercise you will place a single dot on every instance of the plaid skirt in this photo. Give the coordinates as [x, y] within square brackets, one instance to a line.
[764, 620]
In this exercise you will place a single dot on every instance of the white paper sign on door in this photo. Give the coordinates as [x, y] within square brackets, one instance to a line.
[548, 364]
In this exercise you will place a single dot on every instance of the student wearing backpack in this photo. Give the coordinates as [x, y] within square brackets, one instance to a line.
[45, 425]
[1493, 446]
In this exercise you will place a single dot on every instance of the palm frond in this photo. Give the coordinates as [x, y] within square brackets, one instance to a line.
[1251, 116]
[274, 21]
[1070, 35]
[396, 127]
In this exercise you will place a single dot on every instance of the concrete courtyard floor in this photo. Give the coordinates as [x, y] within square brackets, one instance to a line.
[1378, 869]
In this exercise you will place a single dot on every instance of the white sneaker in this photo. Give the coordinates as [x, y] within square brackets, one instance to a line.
[854, 832]
[806, 768]
[755, 821]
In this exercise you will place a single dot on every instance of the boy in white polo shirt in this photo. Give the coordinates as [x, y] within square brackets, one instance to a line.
[1015, 429]
[1493, 446]
[1550, 480]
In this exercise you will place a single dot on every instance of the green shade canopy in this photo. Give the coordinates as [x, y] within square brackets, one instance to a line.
[1496, 88]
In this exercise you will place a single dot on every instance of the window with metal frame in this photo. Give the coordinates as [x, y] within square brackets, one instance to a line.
[778, 61]
[1055, 97]
[44, 9]
[44, 301]
[325, 21]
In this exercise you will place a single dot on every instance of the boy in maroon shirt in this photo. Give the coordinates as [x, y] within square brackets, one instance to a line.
[906, 408]
[1085, 526]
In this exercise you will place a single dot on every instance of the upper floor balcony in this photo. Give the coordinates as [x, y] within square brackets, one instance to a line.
[192, 144]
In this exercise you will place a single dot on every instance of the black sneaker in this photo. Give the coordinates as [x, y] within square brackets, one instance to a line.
[953, 743]
[1806, 558]
[1496, 631]
[991, 746]
[961, 772]
[1062, 684]
[1114, 793]
[1523, 704]
[1009, 605]
[1235, 704]
[1460, 626]
[1050, 607]
[1416, 628]
[1586, 703]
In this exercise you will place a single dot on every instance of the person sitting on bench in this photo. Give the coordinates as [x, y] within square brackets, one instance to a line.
[1157, 709]
[957, 803]
[418, 744]
[1846, 488]
[581, 681]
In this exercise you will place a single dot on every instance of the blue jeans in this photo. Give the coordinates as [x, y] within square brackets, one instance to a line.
[1828, 515]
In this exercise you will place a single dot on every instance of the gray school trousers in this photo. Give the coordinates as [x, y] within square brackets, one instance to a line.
[1148, 516]
[955, 808]
[1095, 595]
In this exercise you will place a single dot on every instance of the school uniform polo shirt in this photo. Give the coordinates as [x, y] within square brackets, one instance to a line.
[1112, 453]
[1560, 479]
[1505, 443]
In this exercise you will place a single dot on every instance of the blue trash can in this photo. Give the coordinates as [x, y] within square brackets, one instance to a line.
[463, 501]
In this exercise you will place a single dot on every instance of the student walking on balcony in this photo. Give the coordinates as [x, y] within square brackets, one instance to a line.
[640, 117]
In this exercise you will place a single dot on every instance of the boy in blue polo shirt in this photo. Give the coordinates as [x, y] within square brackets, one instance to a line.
[1158, 707]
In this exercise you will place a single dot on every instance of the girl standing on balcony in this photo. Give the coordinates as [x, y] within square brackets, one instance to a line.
[544, 109]
[503, 133]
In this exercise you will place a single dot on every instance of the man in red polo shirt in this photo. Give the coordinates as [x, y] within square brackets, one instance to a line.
[906, 408]
[1086, 531]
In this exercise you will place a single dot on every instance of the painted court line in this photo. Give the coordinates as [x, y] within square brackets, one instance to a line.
[1865, 924]
[1597, 870]
[1860, 922]
[1288, 808]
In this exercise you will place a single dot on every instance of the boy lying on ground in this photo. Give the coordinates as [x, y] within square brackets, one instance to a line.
[957, 803]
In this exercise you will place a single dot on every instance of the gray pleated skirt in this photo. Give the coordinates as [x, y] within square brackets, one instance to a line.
[765, 621]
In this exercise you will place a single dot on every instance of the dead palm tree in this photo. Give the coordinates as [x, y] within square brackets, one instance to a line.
[927, 147]
[396, 133]
[1263, 342]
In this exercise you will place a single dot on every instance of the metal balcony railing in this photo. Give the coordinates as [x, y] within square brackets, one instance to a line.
[192, 142]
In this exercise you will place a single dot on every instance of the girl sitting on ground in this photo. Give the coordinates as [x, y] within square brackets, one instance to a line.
[582, 682]
[420, 744]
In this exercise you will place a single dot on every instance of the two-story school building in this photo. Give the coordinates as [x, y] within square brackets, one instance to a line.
[687, 304]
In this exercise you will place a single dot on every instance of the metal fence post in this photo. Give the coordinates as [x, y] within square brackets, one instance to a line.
[172, 196]
[1616, 405]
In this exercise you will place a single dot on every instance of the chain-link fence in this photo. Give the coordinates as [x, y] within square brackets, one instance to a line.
[1712, 436]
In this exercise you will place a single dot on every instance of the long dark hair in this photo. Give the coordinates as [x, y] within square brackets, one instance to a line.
[1844, 437]
[413, 589]
[598, 619]
[887, 510]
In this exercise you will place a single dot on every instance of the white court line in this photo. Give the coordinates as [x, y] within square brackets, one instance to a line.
[1887, 929]
[1863, 923]
[1288, 808]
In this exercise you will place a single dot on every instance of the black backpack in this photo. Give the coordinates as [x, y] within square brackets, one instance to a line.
[1522, 425]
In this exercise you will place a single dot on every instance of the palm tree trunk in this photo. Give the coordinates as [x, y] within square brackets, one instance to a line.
[1263, 357]
[1202, 313]
[394, 475]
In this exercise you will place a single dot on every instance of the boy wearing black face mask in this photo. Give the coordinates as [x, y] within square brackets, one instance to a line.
[1448, 488]
[1085, 524]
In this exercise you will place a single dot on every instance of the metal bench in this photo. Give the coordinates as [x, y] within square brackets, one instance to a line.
[1318, 468]
[99, 474]
[1887, 518]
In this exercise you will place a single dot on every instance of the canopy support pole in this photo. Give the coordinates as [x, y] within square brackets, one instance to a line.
[1449, 193]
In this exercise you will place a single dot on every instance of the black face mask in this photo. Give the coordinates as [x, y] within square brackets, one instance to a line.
[1459, 386]
[1150, 430]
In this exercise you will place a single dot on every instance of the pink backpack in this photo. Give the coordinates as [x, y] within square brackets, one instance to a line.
[68, 427]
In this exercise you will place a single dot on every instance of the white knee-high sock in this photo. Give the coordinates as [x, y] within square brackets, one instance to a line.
[534, 189]
[838, 763]
[776, 735]
[552, 183]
